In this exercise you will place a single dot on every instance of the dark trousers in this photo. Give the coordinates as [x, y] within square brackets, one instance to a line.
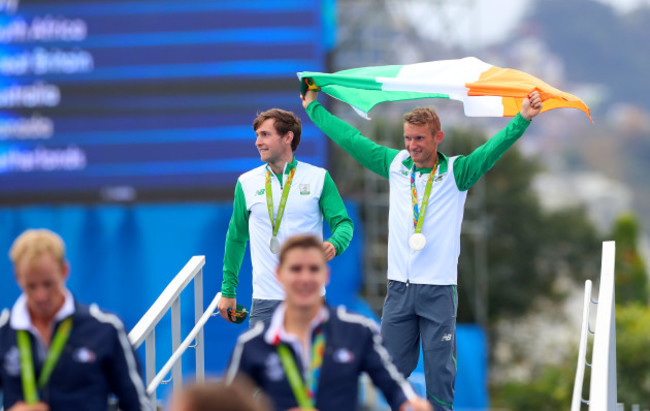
[262, 310]
[414, 312]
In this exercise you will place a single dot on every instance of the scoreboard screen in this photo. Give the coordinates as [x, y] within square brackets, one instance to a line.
[147, 100]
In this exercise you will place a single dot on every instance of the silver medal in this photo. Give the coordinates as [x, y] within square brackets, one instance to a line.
[274, 245]
[417, 241]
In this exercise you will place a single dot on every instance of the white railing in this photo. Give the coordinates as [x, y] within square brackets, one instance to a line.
[145, 329]
[577, 400]
[602, 385]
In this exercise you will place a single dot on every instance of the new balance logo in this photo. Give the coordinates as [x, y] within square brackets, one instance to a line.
[446, 337]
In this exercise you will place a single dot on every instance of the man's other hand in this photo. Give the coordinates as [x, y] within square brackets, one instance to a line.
[329, 250]
[531, 106]
[309, 96]
[225, 304]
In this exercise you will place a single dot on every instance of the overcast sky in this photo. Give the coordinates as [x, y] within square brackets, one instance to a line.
[499, 17]
[489, 21]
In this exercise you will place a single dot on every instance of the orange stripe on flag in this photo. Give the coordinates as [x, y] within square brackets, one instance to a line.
[515, 85]
[512, 106]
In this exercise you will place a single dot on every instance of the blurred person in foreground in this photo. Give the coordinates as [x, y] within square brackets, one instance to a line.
[56, 353]
[280, 198]
[311, 355]
[427, 198]
[217, 396]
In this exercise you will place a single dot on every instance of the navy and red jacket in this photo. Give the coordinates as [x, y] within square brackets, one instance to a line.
[97, 360]
[353, 345]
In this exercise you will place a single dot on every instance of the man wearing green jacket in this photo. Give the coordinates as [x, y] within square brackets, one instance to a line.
[274, 201]
[427, 197]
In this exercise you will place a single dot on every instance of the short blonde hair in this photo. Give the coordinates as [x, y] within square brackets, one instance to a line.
[32, 244]
[424, 116]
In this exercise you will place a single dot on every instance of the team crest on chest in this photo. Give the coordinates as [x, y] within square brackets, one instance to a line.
[84, 355]
[12, 362]
[304, 189]
[343, 356]
[273, 367]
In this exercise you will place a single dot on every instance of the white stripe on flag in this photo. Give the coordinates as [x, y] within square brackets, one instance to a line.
[446, 77]
[483, 106]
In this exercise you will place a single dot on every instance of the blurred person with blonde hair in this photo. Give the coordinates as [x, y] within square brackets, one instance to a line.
[55, 353]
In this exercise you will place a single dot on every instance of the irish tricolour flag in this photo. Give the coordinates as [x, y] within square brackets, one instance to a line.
[484, 89]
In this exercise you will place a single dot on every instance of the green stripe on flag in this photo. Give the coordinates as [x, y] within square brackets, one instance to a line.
[323, 80]
[361, 78]
[360, 88]
[366, 100]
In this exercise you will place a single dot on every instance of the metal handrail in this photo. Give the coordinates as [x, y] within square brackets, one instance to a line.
[162, 304]
[582, 350]
[151, 388]
[169, 299]
[602, 387]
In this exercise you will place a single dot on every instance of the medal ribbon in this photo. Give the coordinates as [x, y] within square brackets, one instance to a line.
[317, 353]
[283, 200]
[418, 214]
[305, 393]
[27, 372]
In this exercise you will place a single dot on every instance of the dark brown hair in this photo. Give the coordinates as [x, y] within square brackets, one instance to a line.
[300, 241]
[423, 115]
[285, 121]
[217, 396]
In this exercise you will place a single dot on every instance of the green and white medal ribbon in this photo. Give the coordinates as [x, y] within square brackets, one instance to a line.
[417, 241]
[27, 373]
[274, 243]
[304, 392]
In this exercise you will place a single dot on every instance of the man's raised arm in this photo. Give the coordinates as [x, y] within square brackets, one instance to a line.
[469, 169]
[371, 155]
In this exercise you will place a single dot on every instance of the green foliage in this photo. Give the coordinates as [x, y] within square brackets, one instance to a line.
[633, 361]
[346, 171]
[631, 278]
[551, 391]
[600, 46]
[529, 249]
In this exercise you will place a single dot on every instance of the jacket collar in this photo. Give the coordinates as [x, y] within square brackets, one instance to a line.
[287, 167]
[276, 333]
[20, 319]
[443, 163]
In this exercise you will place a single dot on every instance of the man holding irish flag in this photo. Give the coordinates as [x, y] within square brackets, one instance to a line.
[427, 196]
